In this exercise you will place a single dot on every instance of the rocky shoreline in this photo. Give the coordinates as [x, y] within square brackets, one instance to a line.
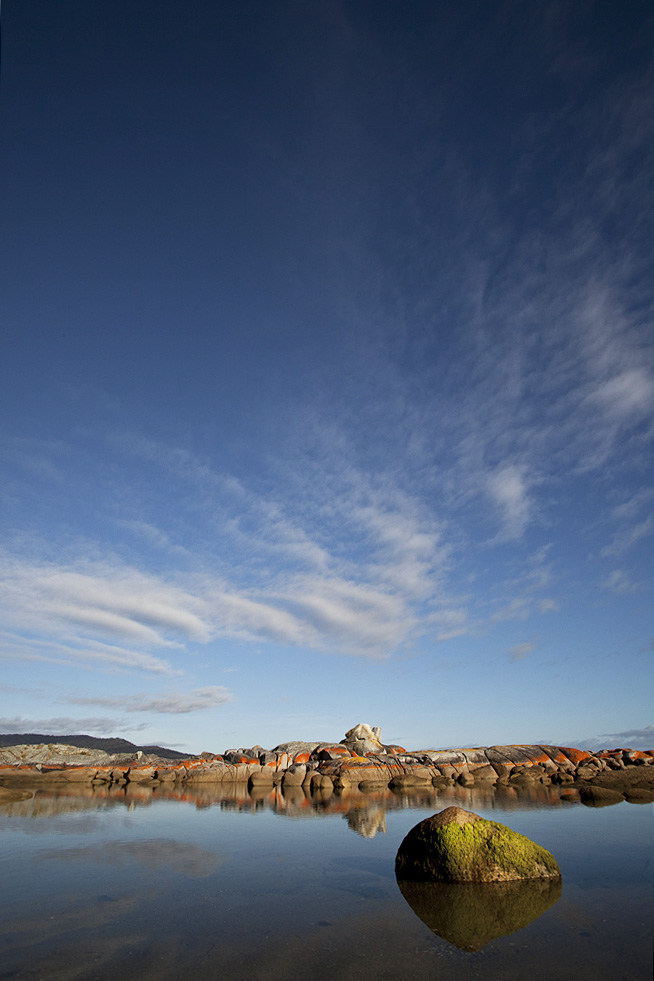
[360, 761]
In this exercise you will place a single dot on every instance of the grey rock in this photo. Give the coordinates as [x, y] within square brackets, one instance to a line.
[298, 746]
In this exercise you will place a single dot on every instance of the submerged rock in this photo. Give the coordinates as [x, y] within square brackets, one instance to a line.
[458, 846]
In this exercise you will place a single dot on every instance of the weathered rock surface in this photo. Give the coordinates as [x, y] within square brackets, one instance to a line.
[52, 753]
[458, 846]
[363, 739]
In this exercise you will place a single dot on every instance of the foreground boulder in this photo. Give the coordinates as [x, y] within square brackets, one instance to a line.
[458, 846]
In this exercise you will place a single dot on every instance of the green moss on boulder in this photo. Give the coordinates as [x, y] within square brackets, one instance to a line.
[459, 846]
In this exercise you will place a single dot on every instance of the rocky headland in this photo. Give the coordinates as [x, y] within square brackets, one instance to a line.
[359, 761]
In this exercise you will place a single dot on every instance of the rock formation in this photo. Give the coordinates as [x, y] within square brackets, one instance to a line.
[360, 760]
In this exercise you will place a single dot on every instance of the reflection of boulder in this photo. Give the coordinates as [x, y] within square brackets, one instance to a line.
[470, 915]
[599, 796]
[459, 846]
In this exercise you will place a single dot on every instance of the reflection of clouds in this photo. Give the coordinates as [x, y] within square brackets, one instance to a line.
[158, 853]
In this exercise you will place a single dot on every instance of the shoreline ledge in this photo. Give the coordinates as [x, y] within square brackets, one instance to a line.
[359, 761]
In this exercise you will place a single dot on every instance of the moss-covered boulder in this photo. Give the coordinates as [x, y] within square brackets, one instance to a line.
[459, 846]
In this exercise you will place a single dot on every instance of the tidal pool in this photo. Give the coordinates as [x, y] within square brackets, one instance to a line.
[219, 884]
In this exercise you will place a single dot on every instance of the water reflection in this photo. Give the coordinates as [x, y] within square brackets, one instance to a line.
[470, 915]
[212, 882]
[365, 812]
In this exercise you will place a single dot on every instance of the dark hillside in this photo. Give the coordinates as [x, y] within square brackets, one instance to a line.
[109, 745]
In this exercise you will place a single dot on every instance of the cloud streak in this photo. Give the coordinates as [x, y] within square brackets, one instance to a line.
[175, 703]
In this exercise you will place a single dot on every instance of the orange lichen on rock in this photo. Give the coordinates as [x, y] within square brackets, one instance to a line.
[333, 752]
[536, 754]
[575, 755]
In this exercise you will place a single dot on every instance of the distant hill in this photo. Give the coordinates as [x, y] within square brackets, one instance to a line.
[110, 745]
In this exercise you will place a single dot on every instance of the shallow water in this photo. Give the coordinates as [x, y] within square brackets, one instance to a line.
[217, 884]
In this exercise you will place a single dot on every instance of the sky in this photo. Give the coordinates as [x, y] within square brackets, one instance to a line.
[326, 371]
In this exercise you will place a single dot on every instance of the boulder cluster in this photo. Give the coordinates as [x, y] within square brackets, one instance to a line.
[360, 760]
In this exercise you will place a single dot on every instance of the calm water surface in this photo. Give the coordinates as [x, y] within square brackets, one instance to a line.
[220, 885]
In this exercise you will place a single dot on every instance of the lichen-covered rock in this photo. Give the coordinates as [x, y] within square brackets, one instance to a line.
[333, 753]
[459, 846]
[294, 776]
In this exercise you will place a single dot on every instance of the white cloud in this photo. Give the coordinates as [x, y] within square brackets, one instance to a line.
[359, 617]
[175, 703]
[630, 393]
[105, 600]
[239, 616]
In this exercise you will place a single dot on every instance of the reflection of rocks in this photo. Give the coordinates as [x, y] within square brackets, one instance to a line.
[13, 796]
[456, 845]
[368, 821]
[310, 800]
[599, 796]
[470, 915]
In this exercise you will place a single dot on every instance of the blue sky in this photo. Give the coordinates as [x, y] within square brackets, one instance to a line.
[327, 383]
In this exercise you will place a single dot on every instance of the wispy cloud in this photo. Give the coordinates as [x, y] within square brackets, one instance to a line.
[627, 537]
[629, 509]
[508, 489]
[175, 703]
[618, 582]
[517, 609]
[520, 651]
[78, 652]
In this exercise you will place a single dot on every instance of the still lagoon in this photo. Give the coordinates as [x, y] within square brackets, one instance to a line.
[220, 884]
